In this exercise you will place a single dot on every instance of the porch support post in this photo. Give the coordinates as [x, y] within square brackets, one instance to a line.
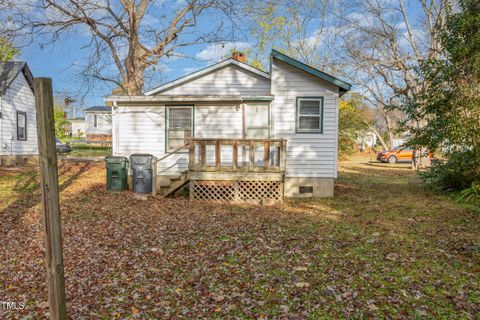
[203, 155]
[191, 154]
[235, 156]
[251, 164]
[218, 152]
[283, 154]
[266, 154]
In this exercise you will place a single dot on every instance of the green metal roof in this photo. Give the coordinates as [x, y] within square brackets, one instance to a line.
[344, 86]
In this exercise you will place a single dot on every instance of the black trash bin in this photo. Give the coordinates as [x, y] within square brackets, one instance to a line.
[141, 165]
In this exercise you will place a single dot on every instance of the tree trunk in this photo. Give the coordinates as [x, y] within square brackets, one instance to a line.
[384, 145]
[134, 84]
[389, 131]
[421, 159]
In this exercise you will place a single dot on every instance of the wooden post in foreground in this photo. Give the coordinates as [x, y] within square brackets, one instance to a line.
[50, 201]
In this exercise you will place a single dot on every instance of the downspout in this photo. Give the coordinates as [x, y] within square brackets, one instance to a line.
[115, 140]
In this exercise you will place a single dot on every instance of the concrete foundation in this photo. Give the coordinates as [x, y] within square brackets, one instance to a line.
[18, 160]
[301, 187]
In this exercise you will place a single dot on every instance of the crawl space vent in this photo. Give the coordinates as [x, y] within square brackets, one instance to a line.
[305, 189]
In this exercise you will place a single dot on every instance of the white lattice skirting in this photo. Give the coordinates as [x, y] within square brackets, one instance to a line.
[236, 191]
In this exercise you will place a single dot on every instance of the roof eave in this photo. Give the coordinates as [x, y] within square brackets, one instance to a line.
[342, 85]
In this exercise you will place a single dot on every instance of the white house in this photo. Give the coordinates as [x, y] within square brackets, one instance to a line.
[98, 123]
[367, 139]
[18, 127]
[276, 132]
[77, 127]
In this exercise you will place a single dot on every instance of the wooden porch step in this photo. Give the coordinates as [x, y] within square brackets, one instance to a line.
[176, 182]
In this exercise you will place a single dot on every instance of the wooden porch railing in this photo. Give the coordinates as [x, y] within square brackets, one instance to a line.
[237, 155]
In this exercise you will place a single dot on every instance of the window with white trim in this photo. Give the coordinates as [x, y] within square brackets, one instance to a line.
[179, 126]
[309, 115]
[21, 125]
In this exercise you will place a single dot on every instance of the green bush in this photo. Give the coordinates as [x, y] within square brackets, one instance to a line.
[458, 173]
[470, 194]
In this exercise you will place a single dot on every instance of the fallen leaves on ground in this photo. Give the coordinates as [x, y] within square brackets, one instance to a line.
[384, 247]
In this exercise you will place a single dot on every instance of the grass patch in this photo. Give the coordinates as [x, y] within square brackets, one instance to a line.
[89, 150]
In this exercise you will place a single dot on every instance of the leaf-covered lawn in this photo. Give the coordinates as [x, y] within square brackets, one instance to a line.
[384, 247]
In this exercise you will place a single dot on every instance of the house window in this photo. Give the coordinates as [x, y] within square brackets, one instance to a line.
[257, 121]
[179, 126]
[95, 121]
[309, 115]
[21, 125]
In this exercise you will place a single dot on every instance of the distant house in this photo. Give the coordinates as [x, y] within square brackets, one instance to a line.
[98, 124]
[237, 133]
[366, 140]
[18, 127]
[77, 127]
[399, 141]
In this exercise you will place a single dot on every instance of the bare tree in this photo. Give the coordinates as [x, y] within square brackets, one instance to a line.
[303, 29]
[385, 43]
[127, 36]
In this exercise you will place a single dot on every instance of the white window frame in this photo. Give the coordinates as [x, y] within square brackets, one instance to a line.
[298, 115]
[167, 122]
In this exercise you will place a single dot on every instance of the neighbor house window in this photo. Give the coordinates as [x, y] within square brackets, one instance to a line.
[309, 115]
[179, 126]
[21, 125]
[95, 121]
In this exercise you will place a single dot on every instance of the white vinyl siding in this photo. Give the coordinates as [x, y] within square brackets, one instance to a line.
[78, 127]
[142, 130]
[18, 97]
[98, 122]
[230, 80]
[308, 154]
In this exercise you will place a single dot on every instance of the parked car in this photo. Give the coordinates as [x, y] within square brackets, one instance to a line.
[397, 154]
[62, 147]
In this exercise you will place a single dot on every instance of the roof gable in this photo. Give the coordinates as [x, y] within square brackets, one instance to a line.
[10, 70]
[205, 71]
[343, 86]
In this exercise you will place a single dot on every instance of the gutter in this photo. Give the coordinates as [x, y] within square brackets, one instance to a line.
[193, 98]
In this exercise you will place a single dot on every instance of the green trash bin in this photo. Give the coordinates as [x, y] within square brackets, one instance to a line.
[117, 171]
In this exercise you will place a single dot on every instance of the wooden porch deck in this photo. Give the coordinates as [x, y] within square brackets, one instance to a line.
[236, 170]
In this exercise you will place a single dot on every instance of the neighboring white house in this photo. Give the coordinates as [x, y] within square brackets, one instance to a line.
[77, 127]
[18, 127]
[246, 113]
[98, 123]
[367, 139]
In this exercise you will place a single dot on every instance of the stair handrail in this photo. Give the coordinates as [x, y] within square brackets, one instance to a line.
[170, 153]
[154, 164]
